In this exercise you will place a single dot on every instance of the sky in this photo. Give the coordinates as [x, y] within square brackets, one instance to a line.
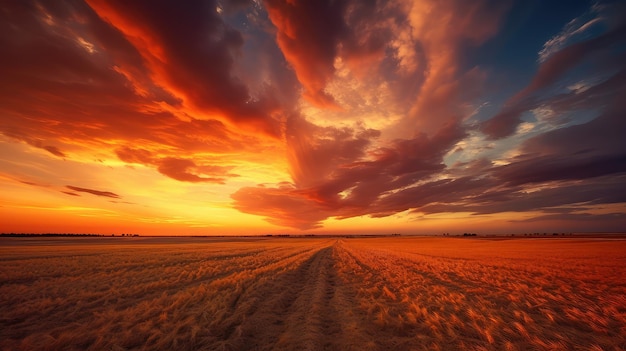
[208, 117]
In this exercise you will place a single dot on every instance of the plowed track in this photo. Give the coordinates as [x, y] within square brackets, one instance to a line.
[313, 294]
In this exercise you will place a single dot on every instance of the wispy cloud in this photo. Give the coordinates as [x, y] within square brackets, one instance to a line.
[560, 66]
[575, 29]
[93, 192]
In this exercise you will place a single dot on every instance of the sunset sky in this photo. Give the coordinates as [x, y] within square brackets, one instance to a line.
[317, 116]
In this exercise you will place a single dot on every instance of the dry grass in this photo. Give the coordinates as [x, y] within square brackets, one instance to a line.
[312, 294]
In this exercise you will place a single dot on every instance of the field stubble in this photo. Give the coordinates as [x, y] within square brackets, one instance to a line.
[313, 294]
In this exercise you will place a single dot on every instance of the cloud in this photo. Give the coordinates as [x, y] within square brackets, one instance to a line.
[578, 217]
[75, 84]
[555, 69]
[582, 151]
[578, 166]
[309, 33]
[54, 150]
[577, 27]
[193, 58]
[39, 144]
[443, 31]
[314, 152]
[283, 206]
[352, 180]
[180, 169]
[489, 197]
[93, 192]
[537, 170]
[347, 108]
[412, 50]
[140, 156]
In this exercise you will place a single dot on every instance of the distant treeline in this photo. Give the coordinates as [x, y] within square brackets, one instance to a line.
[25, 235]
[348, 236]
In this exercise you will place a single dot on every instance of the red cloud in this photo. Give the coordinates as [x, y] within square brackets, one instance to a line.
[189, 50]
[284, 206]
[308, 33]
[337, 176]
[176, 168]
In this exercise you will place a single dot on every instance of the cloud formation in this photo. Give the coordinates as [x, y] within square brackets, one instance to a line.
[554, 69]
[353, 179]
[301, 111]
[93, 192]
[180, 169]
[309, 33]
[342, 173]
[345, 172]
[75, 79]
[196, 69]
[575, 28]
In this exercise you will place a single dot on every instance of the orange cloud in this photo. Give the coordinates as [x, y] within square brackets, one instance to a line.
[340, 109]
[284, 206]
[192, 58]
[176, 168]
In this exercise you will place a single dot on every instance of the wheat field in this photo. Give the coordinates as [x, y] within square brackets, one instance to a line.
[394, 293]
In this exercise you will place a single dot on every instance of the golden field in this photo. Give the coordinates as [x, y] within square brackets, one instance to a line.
[397, 293]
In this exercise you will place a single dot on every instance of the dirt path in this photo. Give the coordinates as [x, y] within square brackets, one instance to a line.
[297, 310]
[309, 325]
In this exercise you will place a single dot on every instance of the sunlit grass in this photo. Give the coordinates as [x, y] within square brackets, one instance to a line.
[315, 294]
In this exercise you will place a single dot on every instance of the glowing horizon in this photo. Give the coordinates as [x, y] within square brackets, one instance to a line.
[267, 117]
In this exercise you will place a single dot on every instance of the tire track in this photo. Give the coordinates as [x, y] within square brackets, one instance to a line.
[262, 311]
[327, 315]
[307, 308]
[309, 325]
